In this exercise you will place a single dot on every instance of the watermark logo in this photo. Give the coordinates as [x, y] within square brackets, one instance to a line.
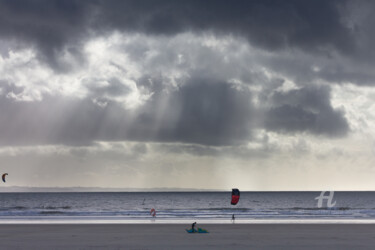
[329, 199]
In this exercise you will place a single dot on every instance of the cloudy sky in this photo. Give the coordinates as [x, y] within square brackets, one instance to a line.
[259, 95]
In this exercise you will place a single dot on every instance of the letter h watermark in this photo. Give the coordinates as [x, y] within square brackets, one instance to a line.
[328, 198]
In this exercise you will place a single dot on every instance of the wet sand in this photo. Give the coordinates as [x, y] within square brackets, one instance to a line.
[174, 236]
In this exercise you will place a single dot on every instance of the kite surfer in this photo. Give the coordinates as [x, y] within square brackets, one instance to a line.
[3, 176]
[192, 227]
[235, 196]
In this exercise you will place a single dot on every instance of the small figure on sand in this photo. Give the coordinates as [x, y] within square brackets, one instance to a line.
[233, 217]
[153, 212]
[192, 227]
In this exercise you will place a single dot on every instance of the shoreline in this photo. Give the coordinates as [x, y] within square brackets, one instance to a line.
[115, 221]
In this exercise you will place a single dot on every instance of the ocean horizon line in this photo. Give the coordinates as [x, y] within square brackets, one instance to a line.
[12, 189]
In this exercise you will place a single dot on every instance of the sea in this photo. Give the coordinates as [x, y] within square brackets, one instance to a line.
[185, 206]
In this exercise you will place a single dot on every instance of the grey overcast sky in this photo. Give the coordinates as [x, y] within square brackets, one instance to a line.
[259, 95]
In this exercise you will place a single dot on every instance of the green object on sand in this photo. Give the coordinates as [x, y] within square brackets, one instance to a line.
[200, 231]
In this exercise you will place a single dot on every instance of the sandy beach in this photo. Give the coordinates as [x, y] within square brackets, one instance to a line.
[173, 236]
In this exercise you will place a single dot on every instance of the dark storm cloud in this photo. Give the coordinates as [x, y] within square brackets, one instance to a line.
[205, 109]
[269, 24]
[304, 69]
[53, 26]
[202, 111]
[50, 26]
[307, 109]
